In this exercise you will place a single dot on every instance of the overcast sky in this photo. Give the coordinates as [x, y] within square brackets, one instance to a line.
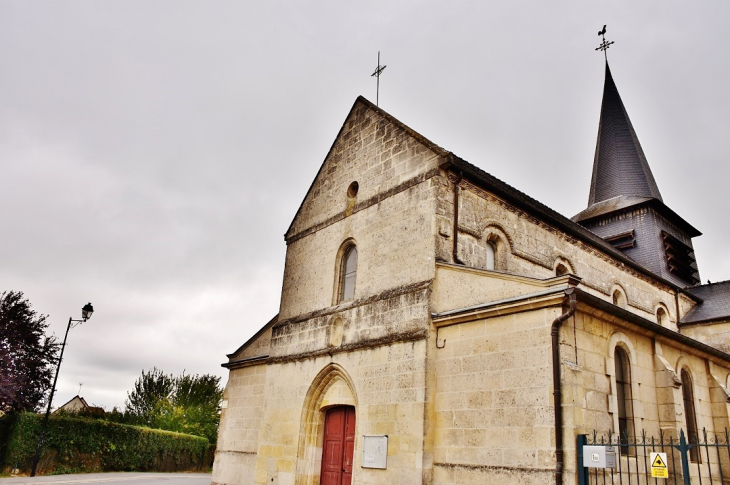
[153, 153]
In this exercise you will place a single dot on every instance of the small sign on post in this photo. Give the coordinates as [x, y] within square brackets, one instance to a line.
[659, 465]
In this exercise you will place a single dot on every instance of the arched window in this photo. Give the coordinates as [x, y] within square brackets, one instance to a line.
[491, 255]
[661, 317]
[690, 417]
[619, 299]
[624, 399]
[348, 270]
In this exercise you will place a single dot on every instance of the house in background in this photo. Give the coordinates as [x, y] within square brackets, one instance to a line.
[438, 326]
[78, 404]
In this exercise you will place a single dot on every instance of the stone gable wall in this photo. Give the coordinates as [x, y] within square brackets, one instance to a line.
[374, 151]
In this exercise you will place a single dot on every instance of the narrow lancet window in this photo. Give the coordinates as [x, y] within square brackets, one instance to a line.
[619, 299]
[348, 272]
[690, 417]
[624, 399]
[491, 252]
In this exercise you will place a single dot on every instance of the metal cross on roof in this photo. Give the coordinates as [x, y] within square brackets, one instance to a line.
[604, 45]
[376, 74]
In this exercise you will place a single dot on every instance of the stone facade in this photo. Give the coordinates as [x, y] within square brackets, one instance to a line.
[450, 360]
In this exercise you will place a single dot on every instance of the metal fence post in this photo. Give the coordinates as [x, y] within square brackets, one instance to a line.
[684, 448]
[582, 471]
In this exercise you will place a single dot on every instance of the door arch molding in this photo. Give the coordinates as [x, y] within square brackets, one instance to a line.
[320, 396]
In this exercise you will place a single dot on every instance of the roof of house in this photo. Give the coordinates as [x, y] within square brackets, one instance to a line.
[83, 402]
[84, 405]
[715, 303]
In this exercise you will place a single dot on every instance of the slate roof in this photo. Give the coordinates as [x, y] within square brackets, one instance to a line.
[619, 167]
[715, 303]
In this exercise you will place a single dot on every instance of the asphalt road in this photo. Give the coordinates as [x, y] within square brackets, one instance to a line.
[114, 479]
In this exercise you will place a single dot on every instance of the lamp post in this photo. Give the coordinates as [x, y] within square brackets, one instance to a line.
[86, 312]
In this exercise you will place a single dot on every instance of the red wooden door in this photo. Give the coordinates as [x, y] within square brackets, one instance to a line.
[339, 446]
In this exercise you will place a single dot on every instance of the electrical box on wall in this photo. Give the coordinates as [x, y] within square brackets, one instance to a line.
[375, 451]
[599, 457]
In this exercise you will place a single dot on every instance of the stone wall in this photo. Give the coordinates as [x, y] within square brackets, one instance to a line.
[394, 242]
[528, 247]
[655, 364]
[387, 386]
[493, 409]
[397, 314]
[716, 334]
[390, 219]
[378, 152]
[240, 425]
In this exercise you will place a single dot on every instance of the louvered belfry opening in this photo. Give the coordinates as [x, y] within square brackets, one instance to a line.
[680, 259]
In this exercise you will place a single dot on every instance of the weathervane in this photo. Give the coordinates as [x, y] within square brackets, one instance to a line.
[376, 75]
[604, 45]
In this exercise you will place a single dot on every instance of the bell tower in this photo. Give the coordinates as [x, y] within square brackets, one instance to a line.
[625, 207]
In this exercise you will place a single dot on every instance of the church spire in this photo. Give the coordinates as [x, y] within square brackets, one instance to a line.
[619, 167]
[625, 207]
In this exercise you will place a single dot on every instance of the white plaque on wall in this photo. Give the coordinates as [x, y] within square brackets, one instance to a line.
[375, 451]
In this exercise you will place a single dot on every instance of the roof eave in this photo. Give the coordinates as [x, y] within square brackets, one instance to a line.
[261, 331]
[654, 203]
[525, 202]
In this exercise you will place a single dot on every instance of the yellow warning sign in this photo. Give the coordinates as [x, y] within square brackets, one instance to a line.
[659, 465]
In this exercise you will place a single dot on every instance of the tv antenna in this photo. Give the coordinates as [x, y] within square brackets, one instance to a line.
[604, 45]
[376, 75]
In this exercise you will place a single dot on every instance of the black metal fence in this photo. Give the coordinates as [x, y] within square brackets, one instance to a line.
[705, 461]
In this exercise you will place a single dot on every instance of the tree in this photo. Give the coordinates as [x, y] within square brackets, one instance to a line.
[150, 390]
[27, 355]
[186, 403]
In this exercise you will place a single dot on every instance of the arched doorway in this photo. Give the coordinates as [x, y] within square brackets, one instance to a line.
[331, 388]
[338, 447]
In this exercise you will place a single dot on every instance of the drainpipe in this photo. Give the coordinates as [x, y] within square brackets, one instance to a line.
[557, 393]
[456, 218]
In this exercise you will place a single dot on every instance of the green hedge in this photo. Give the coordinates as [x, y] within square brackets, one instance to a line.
[75, 444]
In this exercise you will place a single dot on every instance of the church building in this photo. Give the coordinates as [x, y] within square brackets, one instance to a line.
[438, 326]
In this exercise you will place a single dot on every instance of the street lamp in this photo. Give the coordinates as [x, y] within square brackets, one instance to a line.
[86, 312]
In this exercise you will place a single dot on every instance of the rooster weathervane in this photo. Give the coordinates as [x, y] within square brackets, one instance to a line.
[604, 45]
